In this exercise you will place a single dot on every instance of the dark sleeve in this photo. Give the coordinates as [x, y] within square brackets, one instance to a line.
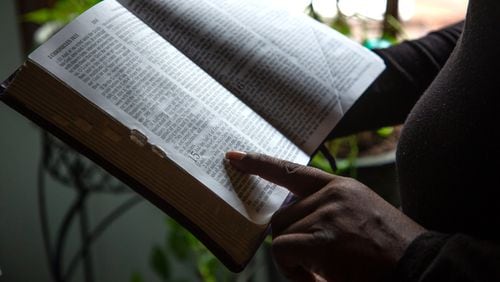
[410, 68]
[434, 257]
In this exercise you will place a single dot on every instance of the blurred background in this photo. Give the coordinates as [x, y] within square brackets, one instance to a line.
[54, 227]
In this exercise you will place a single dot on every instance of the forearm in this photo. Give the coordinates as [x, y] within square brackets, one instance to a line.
[410, 68]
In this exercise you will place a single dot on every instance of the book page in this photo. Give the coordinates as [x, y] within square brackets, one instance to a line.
[297, 74]
[121, 65]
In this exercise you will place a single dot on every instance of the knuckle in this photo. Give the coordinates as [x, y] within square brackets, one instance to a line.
[324, 236]
[285, 167]
[289, 167]
[326, 216]
[330, 193]
[343, 188]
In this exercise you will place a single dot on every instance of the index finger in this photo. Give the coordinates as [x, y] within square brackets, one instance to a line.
[300, 180]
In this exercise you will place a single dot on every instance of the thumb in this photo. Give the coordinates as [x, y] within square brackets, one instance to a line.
[300, 180]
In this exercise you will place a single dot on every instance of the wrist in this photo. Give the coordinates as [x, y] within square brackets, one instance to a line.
[410, 231]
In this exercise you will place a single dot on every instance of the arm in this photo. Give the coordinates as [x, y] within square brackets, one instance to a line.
[411, 67]
[440, 257]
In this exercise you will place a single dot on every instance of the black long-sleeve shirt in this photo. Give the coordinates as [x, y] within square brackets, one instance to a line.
[444, 88]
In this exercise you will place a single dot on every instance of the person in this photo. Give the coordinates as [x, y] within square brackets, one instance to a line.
[443, 87]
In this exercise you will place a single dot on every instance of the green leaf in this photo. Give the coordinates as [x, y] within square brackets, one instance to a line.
[340, 24]
[179, 240]
[319, 161]
[136, 277]
[39, 16]
[385, 131]
[63, 11]
[194, 243]
[268, 240]
[207, 266]
[179, 244]
[159, 263]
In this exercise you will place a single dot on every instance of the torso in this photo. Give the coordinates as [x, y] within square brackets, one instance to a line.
[450, 149]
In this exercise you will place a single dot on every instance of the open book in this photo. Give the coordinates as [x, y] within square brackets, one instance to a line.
[156, 91]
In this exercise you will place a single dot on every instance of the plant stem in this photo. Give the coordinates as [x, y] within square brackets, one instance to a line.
[391, 13]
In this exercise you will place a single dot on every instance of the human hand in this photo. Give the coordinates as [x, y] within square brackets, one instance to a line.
[339, 229]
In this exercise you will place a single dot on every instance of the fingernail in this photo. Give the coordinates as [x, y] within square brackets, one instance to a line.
[235, 155]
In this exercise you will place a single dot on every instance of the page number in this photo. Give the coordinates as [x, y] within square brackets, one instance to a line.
[194, 156]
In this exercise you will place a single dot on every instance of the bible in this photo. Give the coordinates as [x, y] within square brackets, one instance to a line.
[156, 91]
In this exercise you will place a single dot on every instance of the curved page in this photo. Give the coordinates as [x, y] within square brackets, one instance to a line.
[297, 74]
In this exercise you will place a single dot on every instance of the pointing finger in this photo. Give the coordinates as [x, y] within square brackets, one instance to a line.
[300, 180]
